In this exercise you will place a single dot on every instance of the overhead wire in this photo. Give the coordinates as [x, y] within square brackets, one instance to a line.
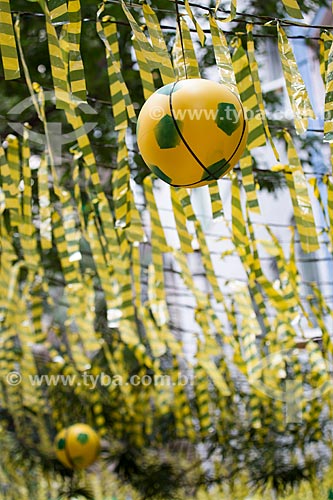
[202, 274]
[188, 293]
[263, 19]
[173, 28]
[266, 19]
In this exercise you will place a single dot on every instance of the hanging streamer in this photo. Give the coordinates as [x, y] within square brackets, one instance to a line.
[10, 190]
[201, 298]
[329, 183]
[297, 92]
[37, 312]
[222, 55]
[256, 137]
[135, 232]
[121, 275]
[213, 373]
[156, 226]
[319, 373]
[45, 210]
[136, 276]
[238, 222]
[13, 159]
[184, 237]
[293, 9]
[26, 228]
[300, 198]
[72, 232]
[233, 10]
[181, 407]
[215, 197]
[316, 191]
[58, 67]
[144, 69]
[159, 45]
[257, 86]
[185, 200]
[152, 57]
[70, 271]
[328, 115]
[110, 287]
[249, 259]
[121, 101]
[202, 396]
[185, 62]
[198, 28]
[9, 55]
[207, 262]
[204, 315]
[325, 42]
[156, 290]
[290, 294]
[250, 354]
[58, 11]
[318, 305]
[8, 256]
[246, 163]
[50, 153]
[38, 100]
[76, 68]
[120, 183]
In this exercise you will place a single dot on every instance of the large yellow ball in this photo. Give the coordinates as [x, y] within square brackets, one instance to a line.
[192, 132]
[77, 447]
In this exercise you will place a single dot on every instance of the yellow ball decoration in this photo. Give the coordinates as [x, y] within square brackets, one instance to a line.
[77, 447]
[192, 132]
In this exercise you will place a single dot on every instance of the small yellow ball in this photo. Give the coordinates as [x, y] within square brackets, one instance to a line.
[192, 132]
[77, 447]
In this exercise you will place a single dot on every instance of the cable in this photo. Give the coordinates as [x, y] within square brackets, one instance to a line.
[235, 169]
[264, 19]
[203, 274]
[185, 292]
[173, 28]
[254, 223]
[288, 22]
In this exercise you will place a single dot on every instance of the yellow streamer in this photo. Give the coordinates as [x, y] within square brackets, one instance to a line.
[297, 92]
[7, 43]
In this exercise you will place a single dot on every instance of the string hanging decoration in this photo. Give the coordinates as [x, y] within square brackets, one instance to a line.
[90, 280]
